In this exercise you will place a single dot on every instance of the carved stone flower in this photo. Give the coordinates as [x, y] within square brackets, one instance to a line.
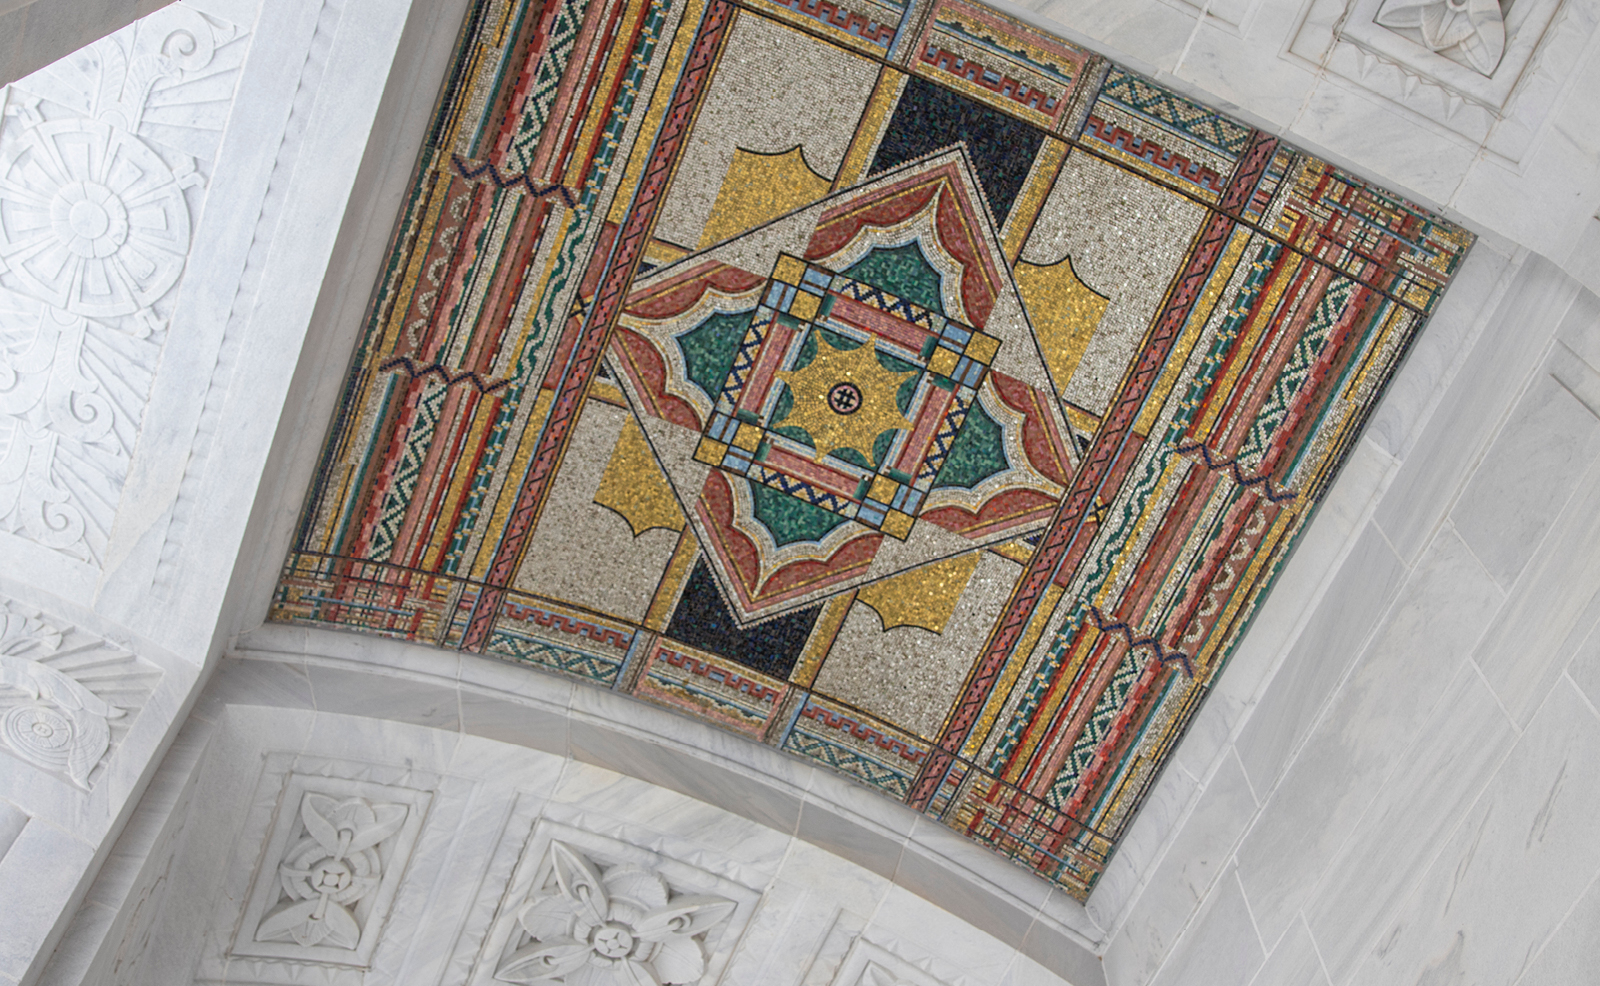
[92, 220]
[326, 872]
[623, 928]
[1474, 27]
[63, 725]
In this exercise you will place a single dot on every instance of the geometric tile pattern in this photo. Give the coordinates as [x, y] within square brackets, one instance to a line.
[680, 378]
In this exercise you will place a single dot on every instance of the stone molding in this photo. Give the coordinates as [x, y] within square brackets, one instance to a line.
[335, 838]
[206, 430]
[508, 846]
[635, 739]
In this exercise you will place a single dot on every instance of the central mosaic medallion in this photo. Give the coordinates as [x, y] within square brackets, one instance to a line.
[867, 404]
[892, 383]
[847, 397]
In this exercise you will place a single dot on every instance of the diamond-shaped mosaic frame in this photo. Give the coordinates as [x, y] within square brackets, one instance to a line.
[951, 360]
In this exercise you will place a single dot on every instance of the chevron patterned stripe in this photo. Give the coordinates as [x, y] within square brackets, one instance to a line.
[1295, 372]
[849, 761]
[526, 650]
[409, 471]
[1206, 126]
[547, 81]
[1100, 721]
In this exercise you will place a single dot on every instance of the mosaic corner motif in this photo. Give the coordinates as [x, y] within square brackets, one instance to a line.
[939, 416]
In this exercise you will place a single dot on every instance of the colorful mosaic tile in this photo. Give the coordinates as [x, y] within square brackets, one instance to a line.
[891, 383]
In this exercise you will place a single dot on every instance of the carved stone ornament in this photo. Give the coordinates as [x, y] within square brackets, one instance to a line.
[1475, 28]
[870, 964]
[102, 167]
[329, 844]
[332, 867]
[623, 926]
[48, 718]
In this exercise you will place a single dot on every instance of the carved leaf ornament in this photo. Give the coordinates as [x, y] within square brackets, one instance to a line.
[330, 869]
[621, 929]
[63, 727]
[1475, 27]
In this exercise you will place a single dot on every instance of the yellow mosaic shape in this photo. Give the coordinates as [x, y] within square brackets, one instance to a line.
[804, 306]
[789, 269]
[758, 189]
[943, 362]
[883, 489]
[710, 452]
[1064, 313]
[876, 385]
[982, 348]
[897, 525]
[748, 437]
[634, 486]
[924, 597]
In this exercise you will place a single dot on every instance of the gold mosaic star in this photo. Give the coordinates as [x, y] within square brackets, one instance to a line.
[844, 398]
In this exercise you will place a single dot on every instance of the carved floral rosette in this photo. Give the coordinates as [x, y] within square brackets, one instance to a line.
[51, 715]
[1475, 28]
[330, 870]
[611, 926]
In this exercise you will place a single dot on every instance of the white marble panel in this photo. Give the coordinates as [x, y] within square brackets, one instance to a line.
[1361, 592]
[192, 485]
[1148, 35]
[936, 941]
[1220, 946]
[1200, 852]
[1456, 752]
[1531, 469]
[1513, 867]
[1579, 331]
[640, 814]
[1572, 952]
[1164, 811]
[1375, 716]
[1441, 349]
[1026, 972]
[12, 821]
[1551, 610]
[1364, 128]
[812, 909]
[1583, 261]
[382, 696]
[1223, 60]
[1514, 340]
[1516, 199]
[39, 877]
[1293, 962]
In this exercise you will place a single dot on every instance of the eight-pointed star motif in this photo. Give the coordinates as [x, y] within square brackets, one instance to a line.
[844, 398]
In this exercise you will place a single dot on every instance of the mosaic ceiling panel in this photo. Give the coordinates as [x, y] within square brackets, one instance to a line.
[888, 382]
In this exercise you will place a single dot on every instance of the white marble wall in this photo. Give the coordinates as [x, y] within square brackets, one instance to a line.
[1397, 784]
[820, 874]
[144, 420]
